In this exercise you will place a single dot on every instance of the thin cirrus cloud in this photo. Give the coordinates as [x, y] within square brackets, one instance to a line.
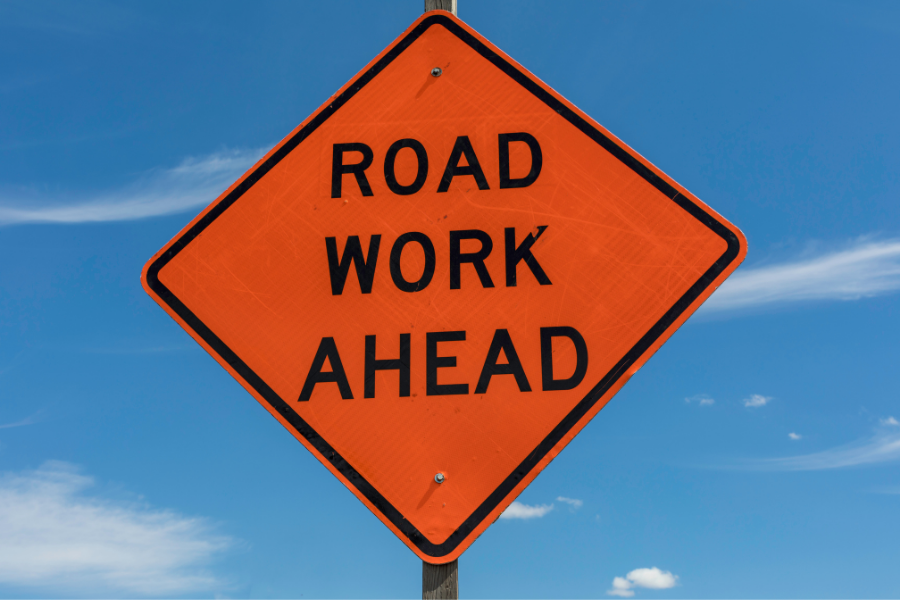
[652, 578]
[54, 535]
[518, 510]
[21, 423]
[195, 182]
[864, 269]
[700, 400]
[883, 446]
[574, 503]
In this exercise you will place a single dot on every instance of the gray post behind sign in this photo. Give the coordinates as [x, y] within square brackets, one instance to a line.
[448, 5]
[440, 581]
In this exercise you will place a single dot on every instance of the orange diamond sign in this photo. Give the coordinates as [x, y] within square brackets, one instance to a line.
[440, 277]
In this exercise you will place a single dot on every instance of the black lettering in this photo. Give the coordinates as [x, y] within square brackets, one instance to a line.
[537, 160]
[339, 169]
[421, 174]
[463, 146]
[400, 364]
[433, 362]
[476, 258]
[523, 252]
[581, 362]
[503, 342]
[327, 349]
[365, 268]
[427, 272]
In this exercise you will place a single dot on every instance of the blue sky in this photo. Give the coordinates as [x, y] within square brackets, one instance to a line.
[755, 455]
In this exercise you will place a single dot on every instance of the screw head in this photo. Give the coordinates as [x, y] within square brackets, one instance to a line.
[436, 72]
[439, 478]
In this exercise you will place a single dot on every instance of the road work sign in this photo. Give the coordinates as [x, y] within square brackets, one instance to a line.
[440, 277]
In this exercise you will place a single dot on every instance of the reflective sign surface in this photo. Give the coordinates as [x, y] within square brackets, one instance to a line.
[440, 277]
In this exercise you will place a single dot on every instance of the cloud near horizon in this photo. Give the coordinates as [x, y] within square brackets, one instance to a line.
[864, 269]
[194, 183]
[54, 536]
[652, 578]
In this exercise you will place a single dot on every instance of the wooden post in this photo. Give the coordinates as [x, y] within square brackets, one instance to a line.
[448, 5]
[440, 581]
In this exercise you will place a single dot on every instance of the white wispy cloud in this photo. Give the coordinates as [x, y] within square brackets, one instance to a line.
[701, 400]
[882, 447]
[55, 536]
[195, 182]
[21, 423]
[795, 436]
[865, 268]
[517, 510]
[652, 578]
[756, 401]
[890, 421]
[575, 503]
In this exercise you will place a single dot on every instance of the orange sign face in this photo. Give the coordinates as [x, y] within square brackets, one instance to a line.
[440, 277]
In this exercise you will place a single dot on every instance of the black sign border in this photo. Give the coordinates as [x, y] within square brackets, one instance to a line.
[325, 450]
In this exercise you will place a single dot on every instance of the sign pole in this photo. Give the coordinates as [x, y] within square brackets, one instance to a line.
[440, 581]
[448, 5]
